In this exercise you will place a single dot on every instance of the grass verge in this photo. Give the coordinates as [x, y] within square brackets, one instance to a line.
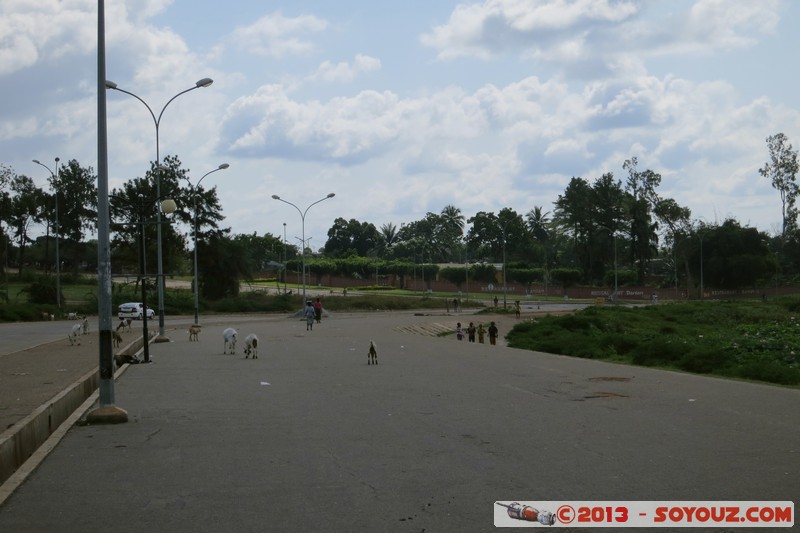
[758, 340]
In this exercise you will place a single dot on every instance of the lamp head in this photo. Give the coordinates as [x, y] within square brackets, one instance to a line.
[37, 161]
[331, 195]
[110, 84]
[223, 166]
[168, 206]
[205, 82]
[276, 197]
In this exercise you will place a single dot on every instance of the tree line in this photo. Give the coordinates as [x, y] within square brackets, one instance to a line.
[600, 231]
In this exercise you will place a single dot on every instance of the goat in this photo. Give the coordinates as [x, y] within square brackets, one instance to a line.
[194, 333]
[116, 338]
[229, 339]
[72, 316]
[251, 346]
[372, 355]
[74, 335]
[124, 323]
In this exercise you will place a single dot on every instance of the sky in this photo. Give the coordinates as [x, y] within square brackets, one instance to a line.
[401, 108]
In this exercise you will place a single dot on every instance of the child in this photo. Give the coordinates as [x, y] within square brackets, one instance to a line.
[492, 333]
[459, 331]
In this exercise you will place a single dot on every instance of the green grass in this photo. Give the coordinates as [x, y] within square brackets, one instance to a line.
[740, 339]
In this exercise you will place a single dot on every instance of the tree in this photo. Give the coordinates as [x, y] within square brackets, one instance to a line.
[26, 207]
[733, 256]
[641, 187]
[781, 170]
[140, 195]
[451, 230]
[485, 238]
[5, 212]
[538, 224]
[575, 218]
[77, 209]
[388, 238]
[260, 251]
[437, 236]
[351, 237]
[223, 264]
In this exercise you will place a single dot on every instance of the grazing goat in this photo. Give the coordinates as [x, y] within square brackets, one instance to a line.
[251, 346]
[116, 338]
[74, 335]
[124, 323]
[72, 316]
[372, 355]
[229, 340]
[194, 333]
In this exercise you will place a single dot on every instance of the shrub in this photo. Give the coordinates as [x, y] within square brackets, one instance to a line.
[43, 291]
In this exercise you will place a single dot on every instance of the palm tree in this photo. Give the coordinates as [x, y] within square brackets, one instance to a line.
[452, 217]
[388, 238]
[538, 223]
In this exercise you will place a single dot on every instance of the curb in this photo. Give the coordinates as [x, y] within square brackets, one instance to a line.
[11, 447]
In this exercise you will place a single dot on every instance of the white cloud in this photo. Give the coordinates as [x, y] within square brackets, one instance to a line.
[398, 136]
[278, 36]
[482, 30]
[346, 72]
[579, 33]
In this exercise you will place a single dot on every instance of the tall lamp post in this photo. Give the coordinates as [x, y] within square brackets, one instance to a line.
[303, 222]
[194, 187]
[167, 206]
[205, 82]
[58, 255]
[284, 258]
[107, 412]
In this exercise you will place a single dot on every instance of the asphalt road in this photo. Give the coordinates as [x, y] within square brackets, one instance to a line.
[308, 437]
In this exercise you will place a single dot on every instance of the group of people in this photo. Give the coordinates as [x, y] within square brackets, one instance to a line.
[479, 330]
[313, 312]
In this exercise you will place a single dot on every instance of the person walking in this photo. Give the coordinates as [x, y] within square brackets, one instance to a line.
[318, 311]
[459, 331]
[471, 332]
[310, 316]
[481, 333]
[492, 333]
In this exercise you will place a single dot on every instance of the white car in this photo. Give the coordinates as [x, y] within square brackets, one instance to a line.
[135, 310]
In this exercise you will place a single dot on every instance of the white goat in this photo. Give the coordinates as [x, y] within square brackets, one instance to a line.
[229, 339]
[251, 346]
[75, 334]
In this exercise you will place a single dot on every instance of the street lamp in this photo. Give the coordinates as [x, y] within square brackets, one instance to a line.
[167, 206]
[303, 222]
[107, 412]
[284, 258]
[58, 255]
[194, 187]
[205, 82]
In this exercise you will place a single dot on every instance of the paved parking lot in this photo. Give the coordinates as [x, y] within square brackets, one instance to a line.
[308, 437]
